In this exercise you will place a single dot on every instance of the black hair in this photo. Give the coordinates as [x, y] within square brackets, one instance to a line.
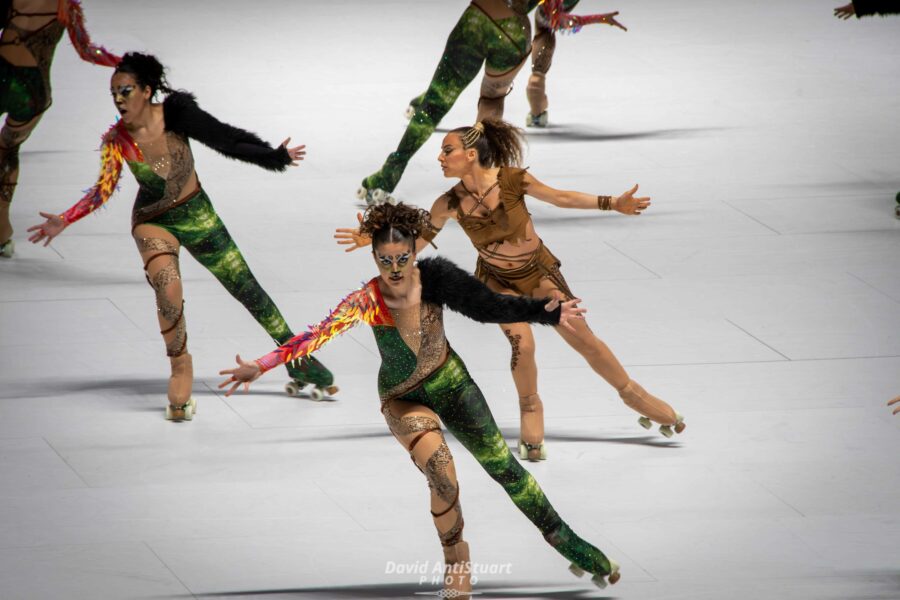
[146, 70]
[392, 224]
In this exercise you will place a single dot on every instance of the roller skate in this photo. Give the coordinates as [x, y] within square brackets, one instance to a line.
[414, 105]
[457, 571]
[652, 409]
[7, 248]
[308, 371]
[372, 194]
[182, 406]
[531, 414]
[540, 120]
[584, 557]
[537, 100]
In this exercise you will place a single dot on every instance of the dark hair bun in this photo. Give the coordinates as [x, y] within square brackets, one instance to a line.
[146, 70]
[386, 223]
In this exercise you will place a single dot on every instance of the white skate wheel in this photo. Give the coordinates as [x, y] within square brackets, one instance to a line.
[316, 394]
[391, 200]
[645, 423]
[410, 112]
[189, 412]
[666, 430]
[523, 451]
[529, 120]
[169, 415]
[361, 193]
[542, 119]
[576, 570]
[599, 581]
[8, 249]
[543, 451]
[292, 388]
[378, 195]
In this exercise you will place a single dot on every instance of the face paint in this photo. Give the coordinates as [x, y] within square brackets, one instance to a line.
[121, 93]
[392, 265]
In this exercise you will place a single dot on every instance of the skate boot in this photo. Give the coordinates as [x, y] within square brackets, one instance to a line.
[539, 120]
[308, 371]
[372, 194]
[414, 105]
[652, 408]
[531, 440]
[182, 406]
[537, 100]
[7, 248]
[457, 571]
[584, 557]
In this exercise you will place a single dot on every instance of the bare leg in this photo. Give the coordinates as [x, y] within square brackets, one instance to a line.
[418, 429]
[604, 363]
[495, 87]
[159, 251]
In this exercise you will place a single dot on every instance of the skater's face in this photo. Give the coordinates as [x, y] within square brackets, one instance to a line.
[455, 160]
[129, 97]
[395, 261]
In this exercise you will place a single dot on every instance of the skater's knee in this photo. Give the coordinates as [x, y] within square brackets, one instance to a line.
[536, 83]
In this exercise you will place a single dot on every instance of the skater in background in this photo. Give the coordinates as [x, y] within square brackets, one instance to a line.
[31, 31]
[551, 16]
[493, 33]
[423, 382]
[172, 210]
[489, 204]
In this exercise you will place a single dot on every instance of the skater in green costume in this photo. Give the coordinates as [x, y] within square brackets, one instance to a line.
[32, 29]
[495, 34]
[423, 382]
[172, 210]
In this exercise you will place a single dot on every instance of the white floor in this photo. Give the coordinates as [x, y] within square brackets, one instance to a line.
[760, 295]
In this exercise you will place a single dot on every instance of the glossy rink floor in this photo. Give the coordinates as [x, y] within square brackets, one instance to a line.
[760, 295]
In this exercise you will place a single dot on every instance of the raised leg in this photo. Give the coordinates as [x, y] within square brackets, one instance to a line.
[417, 428]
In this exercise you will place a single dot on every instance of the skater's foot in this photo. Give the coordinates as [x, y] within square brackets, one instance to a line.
[181, 405]
[539, 120]
[531, 417]
[373, 191]
[457, 571]
[652, 408]
[584, 557]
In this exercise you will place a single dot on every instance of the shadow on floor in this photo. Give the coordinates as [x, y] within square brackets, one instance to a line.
[583, 133]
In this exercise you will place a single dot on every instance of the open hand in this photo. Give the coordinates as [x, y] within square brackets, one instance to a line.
[49, 229]
[245, 373]
[610, 19]
[845, 12]
[627, 204]
[352, 237]
[569, 310]
[897, 402]
[297, 153]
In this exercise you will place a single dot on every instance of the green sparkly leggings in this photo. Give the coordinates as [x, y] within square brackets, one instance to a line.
[23, 97]
[476, 40]
[452, 394]
[197, 227]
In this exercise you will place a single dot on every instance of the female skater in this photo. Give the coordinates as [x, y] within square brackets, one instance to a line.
[493, 33]
[489, 204]
[172, 210]
[422, 380]
[31, 31]
[550, 17]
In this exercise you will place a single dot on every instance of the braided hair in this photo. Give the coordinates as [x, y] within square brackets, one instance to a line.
[498, 143]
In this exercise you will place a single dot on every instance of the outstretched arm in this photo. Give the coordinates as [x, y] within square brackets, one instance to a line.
[446, 284]
[559, 19]
[626, 203]
[358, 306]
[71, 15]
[868, 8]
[183, 115]
[113, 153]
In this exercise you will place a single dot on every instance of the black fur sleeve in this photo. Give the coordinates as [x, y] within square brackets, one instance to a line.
[445, 284]
[184, 116]
[866, 8]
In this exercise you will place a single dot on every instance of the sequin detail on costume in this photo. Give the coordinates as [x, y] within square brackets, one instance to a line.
[117, 147]
[361, 305]
[73, 19]
[432, 346]
[565, 22]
